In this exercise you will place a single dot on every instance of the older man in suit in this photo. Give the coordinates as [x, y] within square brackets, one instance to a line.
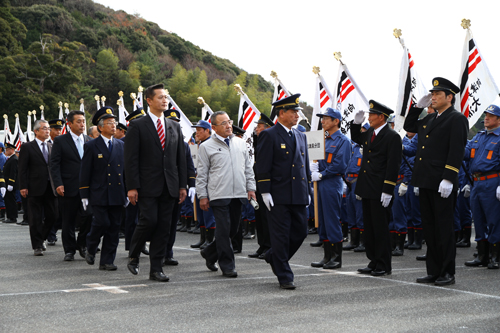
[65, 160]
[102, 187]
[283, 177]
[36, 185]
[155, 168]
[376, 181]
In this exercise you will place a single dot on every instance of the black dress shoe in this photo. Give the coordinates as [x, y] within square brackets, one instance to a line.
[158, 276]
[90, 259]
[51, 243]
[170, 262]
[69, 257]
[108, 267]
[379, 272]
[133, 265]
[427, 279]
[366, 270]
[230, 274]
[445, 280]
[121, 235]
[287, 285]
[254, 255]
[237, 251]
[24, 223]
[423, 257]
[145, 250]
[82, 250]
[38, 252]
[210, 265]
[262, 256]
[10, 221]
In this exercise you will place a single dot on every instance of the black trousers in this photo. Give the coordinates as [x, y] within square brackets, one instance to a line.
[131, 219]
[43, 214]
[437, 221]
[288, 229]
[155, 218]
[227, 213]
[262, 225]
[176, 213]
[72, 211]
[106, 223]
[377, 238]
[10, 205]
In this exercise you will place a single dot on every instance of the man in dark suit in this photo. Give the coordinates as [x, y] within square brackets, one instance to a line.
[155, 168]
[376, 181]
[102, 187]
[65, 160]
[442, 137]
[10, 175]
[37, 187]
[283, 177]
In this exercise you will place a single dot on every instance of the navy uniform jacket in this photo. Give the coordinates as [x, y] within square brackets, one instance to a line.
[10, 172]
[441, 146]
[381, 161]
[101, 174]
[280, 169]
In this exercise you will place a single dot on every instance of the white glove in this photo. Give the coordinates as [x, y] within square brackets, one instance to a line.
[466, 190]
[3, 190]
[361, 150]
[402, 189]
[126, 203]
[344, 188]
[385, 199]
[268, 200]
[498, 193]
[359, 117]
[309, 201]
[314, 166]
[85, 203]
[315, 176]
[10, 188]
[424, 101]
[192, 193]
[445, 188]
[358, 197]
[416, 190]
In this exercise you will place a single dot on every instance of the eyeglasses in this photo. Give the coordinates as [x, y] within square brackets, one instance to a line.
[225, 123]
[111, 123]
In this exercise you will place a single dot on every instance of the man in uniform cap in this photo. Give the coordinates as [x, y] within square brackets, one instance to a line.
[376, 182]
[483, 152]
[3, 159]
[102, 187]
[283, 177]
[328, 173]
[442, 137]
[56, 126]
[11, 183]
[121, 131]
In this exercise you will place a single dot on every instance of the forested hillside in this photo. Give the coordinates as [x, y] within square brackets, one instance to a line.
[65, 50]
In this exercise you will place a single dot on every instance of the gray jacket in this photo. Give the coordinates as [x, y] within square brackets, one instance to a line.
[224, 172]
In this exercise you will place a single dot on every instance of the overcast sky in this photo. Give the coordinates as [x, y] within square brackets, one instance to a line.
[290, 37]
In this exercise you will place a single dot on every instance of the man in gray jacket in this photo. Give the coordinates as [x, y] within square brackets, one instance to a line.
[225, 175]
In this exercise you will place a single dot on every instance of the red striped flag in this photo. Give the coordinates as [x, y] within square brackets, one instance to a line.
[248, 115]
[323, 100]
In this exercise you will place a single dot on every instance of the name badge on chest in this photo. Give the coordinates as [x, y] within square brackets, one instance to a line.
[283, 146]
[99, 155]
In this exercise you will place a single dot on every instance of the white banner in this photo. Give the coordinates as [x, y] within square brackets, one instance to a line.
[316, 145]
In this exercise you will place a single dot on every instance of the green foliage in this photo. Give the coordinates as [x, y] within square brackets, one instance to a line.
[64, 50]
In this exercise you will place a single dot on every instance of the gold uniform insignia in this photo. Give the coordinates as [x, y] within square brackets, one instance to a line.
[59, 123]
[172, 114]
[108, 111]
[435, 83]
[99, 155]
[297, 101]
[371, 105]
[283, 146]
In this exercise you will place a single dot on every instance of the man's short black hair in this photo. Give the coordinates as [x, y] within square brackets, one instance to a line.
[450, 93]
[150, 91]
[71, 115]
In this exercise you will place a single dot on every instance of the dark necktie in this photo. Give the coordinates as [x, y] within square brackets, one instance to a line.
[45, 152]
[373, 136]
[226, 140]
[110, 146]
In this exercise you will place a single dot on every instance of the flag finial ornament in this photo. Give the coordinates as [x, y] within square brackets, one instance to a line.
[81, 100]
[238, 89]
[274, 74]
[140, 89]
[166, 92]
[60, 104]
[96, 97]
[397, 33]
[337, 56]
[42, 107]
[66, 105]
[5, 116]
[33, 112]
[120, 93]
[103, 99]
[133, 95]
[29, 113]
[201, 100]
[16, 115]
[315, 69]
[465, 24]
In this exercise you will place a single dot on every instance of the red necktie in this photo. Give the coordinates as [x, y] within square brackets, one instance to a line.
[373, 136]
[161, 133]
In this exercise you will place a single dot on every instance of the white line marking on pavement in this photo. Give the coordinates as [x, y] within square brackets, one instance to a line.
[91, 287]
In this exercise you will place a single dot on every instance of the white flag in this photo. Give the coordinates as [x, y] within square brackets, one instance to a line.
[281, 92]
[206, 112]
[477, 87]
[411, 89]
[323, 99]
[122, 112]
[248, 115]
[185, 123]
[19, 137]
[28, 127]
[349, 98]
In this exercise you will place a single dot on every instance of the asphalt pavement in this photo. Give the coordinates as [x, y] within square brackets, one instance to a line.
[46, 294]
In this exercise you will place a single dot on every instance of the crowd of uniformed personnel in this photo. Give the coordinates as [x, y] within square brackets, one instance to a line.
[376, 193]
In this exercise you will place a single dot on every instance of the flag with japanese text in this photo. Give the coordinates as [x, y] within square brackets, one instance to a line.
[248, 115]
[323, 99]
[349, 98]
[281, 92]
[187, 130]
[18, 136]
[6, 131]
[411, 89]
[477, 87]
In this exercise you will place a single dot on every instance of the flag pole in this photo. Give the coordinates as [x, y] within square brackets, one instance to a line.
[316, 212]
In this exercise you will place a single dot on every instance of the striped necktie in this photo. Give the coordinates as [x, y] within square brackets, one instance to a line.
[161, 133]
